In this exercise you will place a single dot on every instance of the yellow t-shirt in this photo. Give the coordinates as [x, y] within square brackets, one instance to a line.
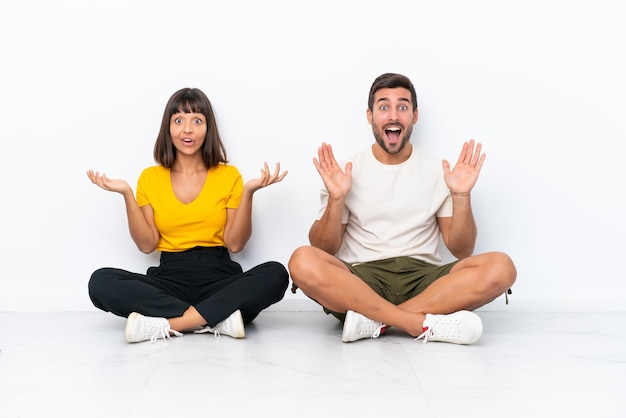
[198, 223]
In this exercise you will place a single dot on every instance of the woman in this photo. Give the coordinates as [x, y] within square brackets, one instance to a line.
[194, 208]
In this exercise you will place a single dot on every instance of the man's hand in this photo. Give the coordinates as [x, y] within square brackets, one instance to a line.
[462, 178]
[337, 182]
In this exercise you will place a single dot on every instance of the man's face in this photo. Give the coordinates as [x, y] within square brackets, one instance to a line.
[392, 118]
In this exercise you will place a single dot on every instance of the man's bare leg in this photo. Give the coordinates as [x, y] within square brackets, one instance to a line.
[327, 280]
[470, 284]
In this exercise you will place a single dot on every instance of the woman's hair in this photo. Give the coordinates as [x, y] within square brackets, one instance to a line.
[392, 81]
[189, 100]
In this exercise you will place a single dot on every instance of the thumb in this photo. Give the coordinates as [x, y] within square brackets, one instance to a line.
[349, 169]
[446, 167]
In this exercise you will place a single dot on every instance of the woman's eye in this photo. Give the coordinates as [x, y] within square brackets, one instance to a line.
[178, 120]
[198, 121]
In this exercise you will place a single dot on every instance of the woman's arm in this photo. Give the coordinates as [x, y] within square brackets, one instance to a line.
[238, 227]
[141, 225]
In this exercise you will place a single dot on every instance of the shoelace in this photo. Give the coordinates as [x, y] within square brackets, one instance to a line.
[443, 328]
[208, 329]
[164, 332]
[425, 335]
[371, 328]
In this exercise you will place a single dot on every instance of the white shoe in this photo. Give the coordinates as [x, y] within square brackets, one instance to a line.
[142, 328]
[462, 327]
[357, 326]
[231, 326]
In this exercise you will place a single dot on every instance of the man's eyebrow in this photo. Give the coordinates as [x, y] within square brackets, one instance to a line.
[386, 99]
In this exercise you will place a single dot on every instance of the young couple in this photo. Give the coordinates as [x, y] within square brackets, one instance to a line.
[373, 261]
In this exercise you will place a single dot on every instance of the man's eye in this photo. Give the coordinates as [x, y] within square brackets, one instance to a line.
[384, 107]
[403, 108]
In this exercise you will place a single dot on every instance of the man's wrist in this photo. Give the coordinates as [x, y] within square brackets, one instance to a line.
[460, 194]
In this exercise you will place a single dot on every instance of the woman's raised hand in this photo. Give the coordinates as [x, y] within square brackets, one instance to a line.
[112, 185]
[266, 178]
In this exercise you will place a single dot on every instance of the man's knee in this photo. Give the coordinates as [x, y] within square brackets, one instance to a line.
[300, 260]
[500, 271]
[304, 266]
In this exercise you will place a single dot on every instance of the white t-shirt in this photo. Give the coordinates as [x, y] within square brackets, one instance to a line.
[391, 210]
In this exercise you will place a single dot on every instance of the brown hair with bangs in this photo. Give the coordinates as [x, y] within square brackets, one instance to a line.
[189, 100]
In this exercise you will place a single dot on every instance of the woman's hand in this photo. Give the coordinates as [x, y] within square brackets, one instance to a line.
[102, 181]
[266, 178]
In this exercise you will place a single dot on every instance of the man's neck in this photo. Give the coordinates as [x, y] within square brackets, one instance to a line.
[392, 159]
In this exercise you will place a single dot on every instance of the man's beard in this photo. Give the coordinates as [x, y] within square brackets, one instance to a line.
[380, 139]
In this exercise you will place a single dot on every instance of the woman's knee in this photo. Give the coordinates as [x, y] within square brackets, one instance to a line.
[99, 286]
[274, 272]
[274, 268]
[98, 281]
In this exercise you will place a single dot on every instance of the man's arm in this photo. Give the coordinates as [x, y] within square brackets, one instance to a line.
[459, 231]
[327, 233]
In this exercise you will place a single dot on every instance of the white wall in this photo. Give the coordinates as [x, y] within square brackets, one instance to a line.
[539, 83]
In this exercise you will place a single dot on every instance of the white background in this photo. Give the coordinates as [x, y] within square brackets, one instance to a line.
[539, 83]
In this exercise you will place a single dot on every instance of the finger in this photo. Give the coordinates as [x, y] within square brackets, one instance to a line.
[481, 160]
[477, 154]
[463, 154]
[446, 167]
[281, 177]
[472, 154]
[277, 179]
[348, 169]
[470, 151]
[317, 165]
[264, 175]
[276, 172]
[105, 182]
[329, 159]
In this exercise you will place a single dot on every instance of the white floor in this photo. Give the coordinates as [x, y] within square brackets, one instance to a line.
[293, 364]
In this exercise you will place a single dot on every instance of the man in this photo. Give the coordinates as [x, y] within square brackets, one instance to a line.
[373, 260]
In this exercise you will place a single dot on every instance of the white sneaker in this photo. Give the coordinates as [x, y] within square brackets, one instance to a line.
[142, 328]
[357, 326]
[462, 327]
[231, 326]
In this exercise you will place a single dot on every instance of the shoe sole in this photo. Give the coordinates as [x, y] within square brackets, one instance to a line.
[130, 322]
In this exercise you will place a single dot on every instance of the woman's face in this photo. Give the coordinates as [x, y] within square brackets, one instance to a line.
[188, 131]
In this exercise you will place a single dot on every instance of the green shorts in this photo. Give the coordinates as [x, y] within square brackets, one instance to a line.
[397, 279]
